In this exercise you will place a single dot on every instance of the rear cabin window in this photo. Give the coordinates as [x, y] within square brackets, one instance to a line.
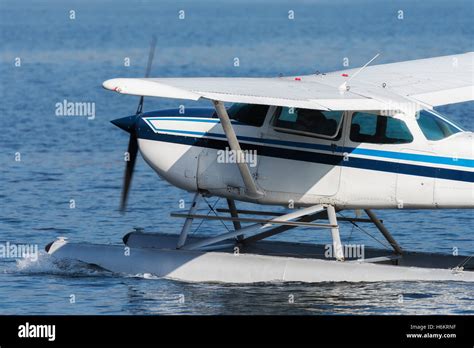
[436, 127]
[370, 128]
[250, 114]
[309, 122]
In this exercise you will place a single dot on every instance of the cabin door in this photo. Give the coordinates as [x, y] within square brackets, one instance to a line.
[300, 155]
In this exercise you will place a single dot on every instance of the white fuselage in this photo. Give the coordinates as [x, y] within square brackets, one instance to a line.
[300, 170]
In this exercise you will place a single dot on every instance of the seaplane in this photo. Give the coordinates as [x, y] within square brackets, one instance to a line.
[311, 146]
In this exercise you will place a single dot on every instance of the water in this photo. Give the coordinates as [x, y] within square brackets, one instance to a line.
[73, 158]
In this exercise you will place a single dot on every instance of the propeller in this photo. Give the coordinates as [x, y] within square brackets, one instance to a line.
[133, 142]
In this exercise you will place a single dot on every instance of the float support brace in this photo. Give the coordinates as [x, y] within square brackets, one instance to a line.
[336, 238]
[384, 231]
[234, 214]
[254, 227]
[189, 221]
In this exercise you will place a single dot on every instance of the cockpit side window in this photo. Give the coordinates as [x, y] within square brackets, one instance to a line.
[370, 128]
[434, 126]
[250, 114]
[309, 122]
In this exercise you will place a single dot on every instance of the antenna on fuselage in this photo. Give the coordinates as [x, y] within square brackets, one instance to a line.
[345, 87]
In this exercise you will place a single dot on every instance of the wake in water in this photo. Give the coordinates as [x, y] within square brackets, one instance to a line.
[45, 264]
[48, 265]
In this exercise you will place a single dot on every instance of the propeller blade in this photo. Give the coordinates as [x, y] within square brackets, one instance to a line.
[132, 152]
[140, 106]
[151, 55]
[133, 142]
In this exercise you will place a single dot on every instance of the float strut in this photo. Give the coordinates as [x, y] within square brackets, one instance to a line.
[188, 221]
[234, 214]
[336, 238]
[384, 231]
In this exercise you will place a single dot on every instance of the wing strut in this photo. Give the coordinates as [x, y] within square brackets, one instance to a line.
[251, 189]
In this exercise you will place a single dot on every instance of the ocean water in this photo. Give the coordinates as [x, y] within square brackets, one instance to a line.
[81, 159]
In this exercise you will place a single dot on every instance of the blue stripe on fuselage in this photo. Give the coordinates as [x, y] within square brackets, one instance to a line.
[461, 162]
[308, 156]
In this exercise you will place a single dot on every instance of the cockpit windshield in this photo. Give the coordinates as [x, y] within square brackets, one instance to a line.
[436, 126]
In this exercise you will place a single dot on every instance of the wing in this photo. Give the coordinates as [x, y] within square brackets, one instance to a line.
[265, 91]
[432, 81]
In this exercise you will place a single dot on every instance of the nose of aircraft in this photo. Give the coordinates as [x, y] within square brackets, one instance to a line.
[126, 123]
